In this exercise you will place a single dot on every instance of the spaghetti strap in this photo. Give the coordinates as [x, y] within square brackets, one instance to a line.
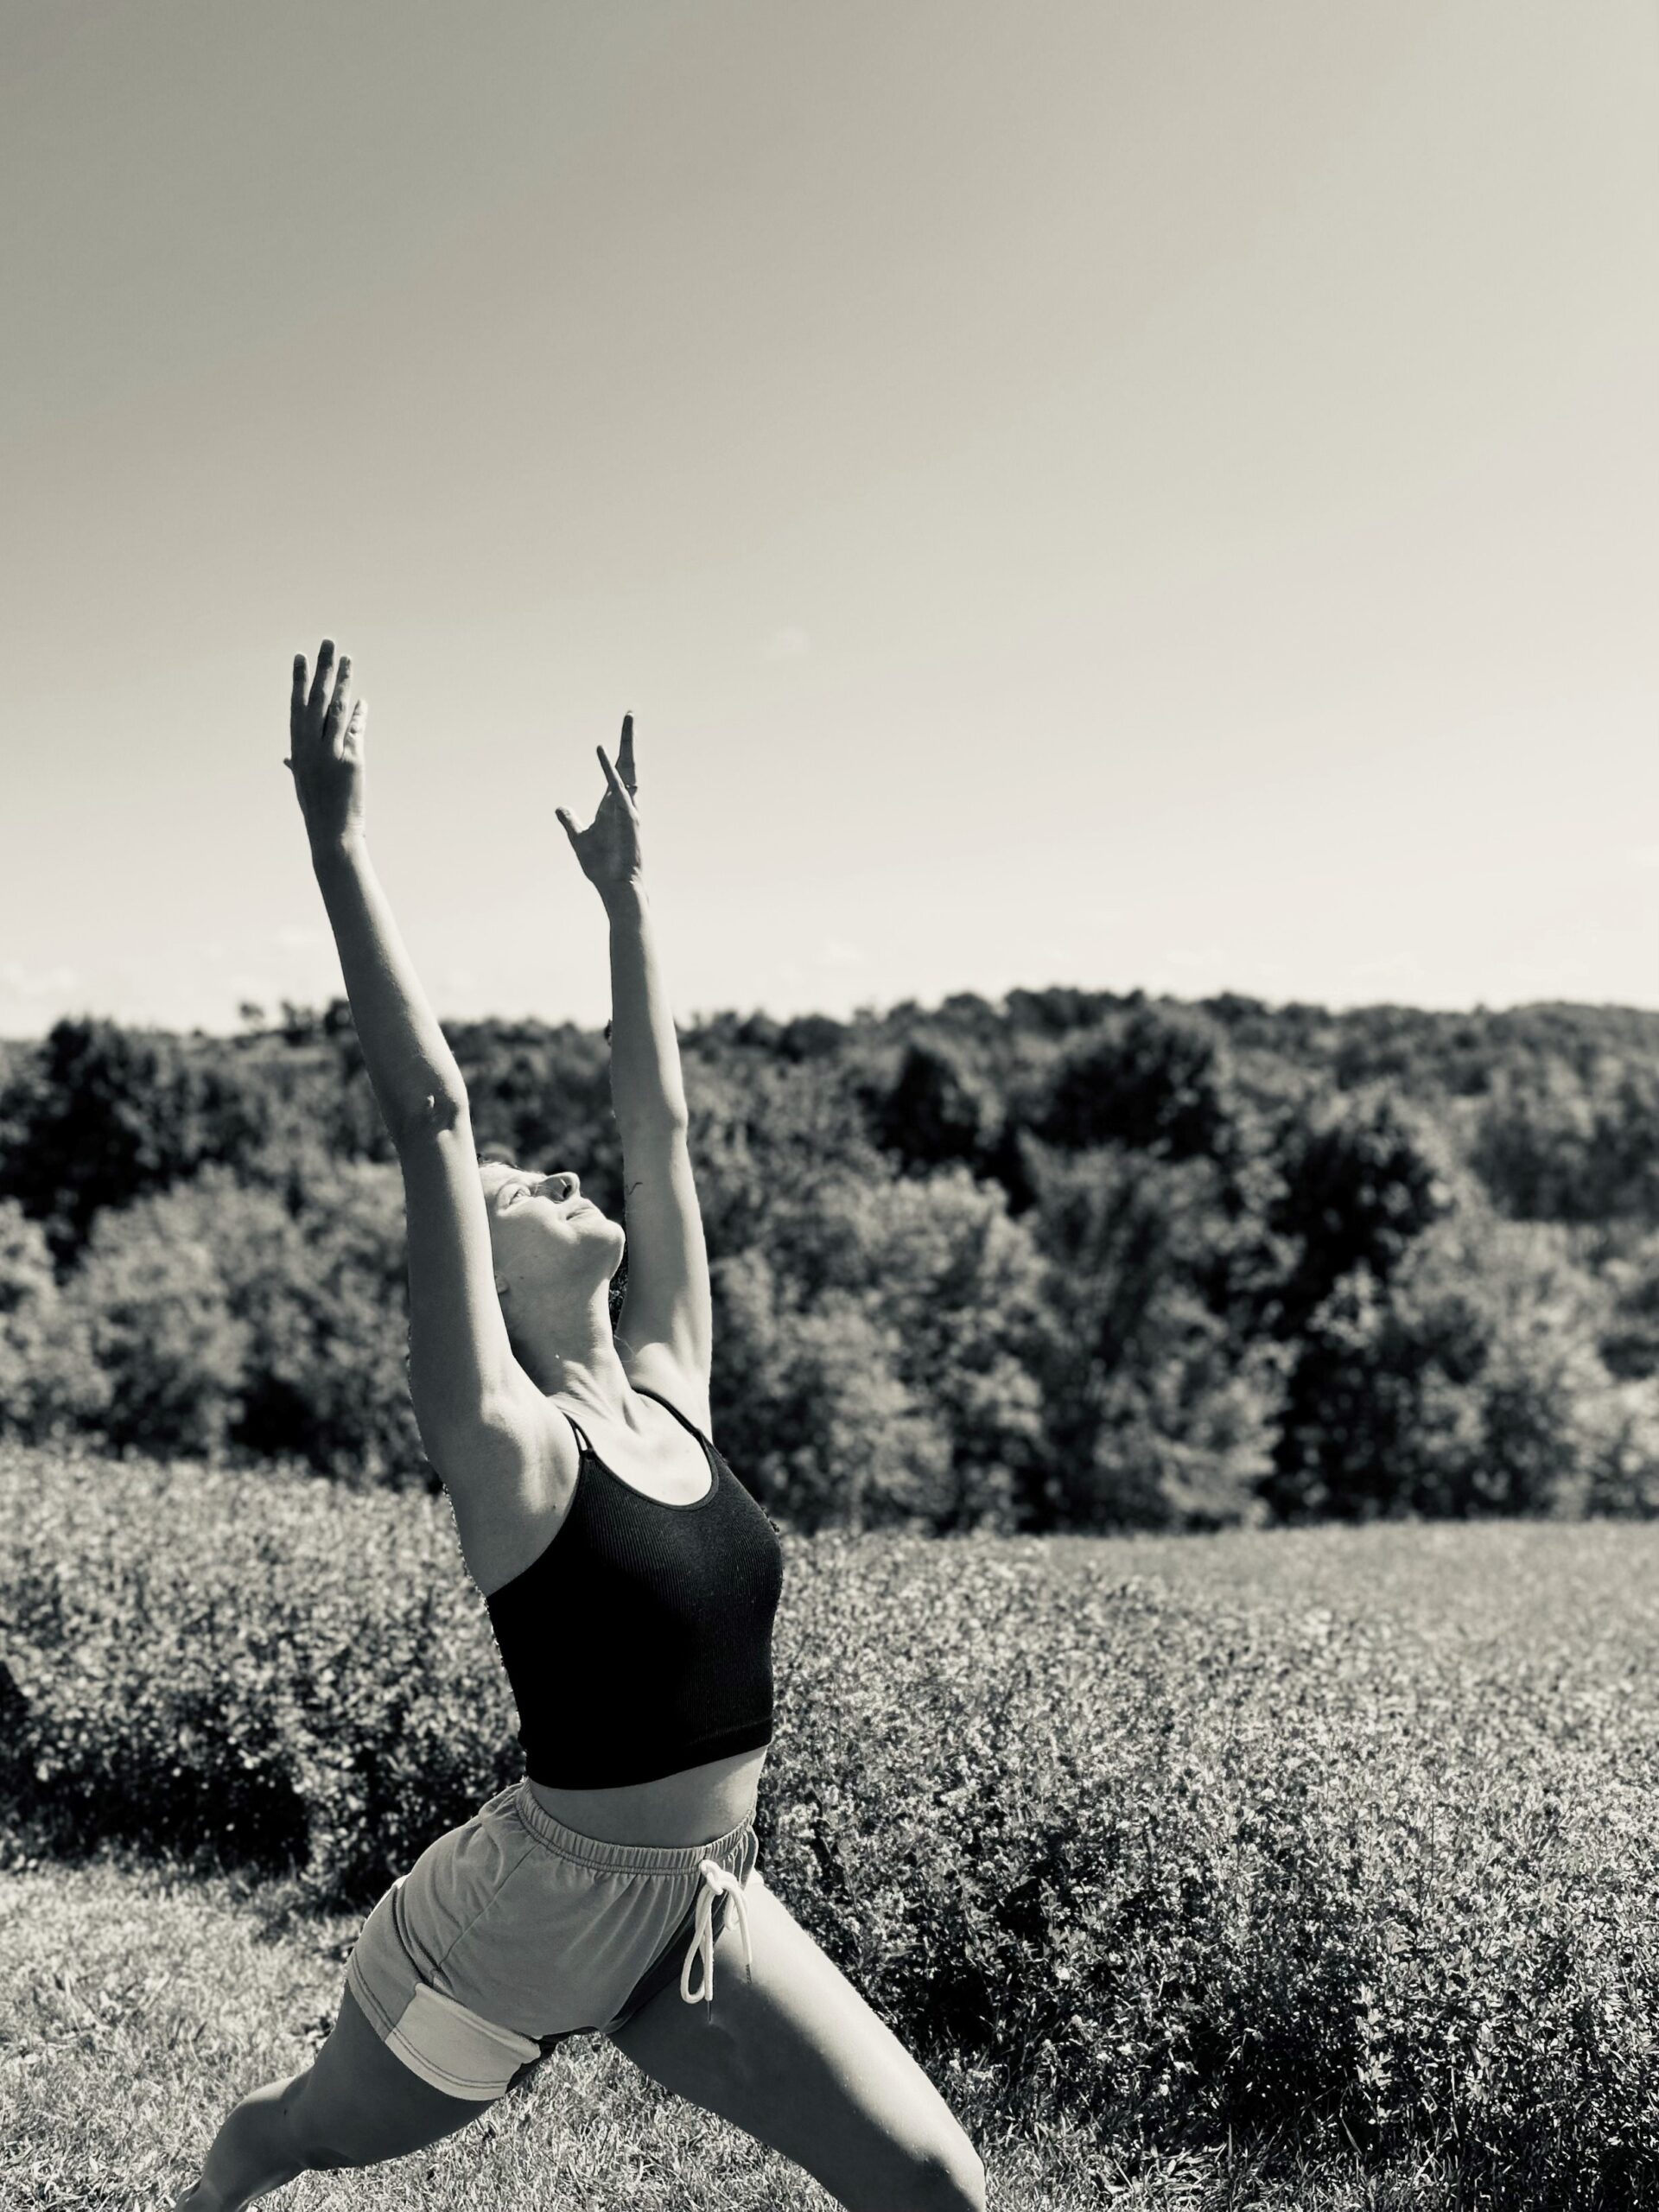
[581, 1435]
[646, 1391]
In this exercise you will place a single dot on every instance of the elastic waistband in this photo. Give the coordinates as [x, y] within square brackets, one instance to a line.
[623, 1858]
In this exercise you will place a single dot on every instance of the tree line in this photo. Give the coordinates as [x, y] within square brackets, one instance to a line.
[1070, 1260]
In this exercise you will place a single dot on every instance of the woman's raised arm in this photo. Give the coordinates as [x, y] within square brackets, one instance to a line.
[666, 1315]
[470, 1392]
[411, 1067]
[645, 1086]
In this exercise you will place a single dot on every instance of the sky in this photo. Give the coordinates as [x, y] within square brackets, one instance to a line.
[1114, 493]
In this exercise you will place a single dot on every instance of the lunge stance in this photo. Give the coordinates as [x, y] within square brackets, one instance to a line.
[631, 1582]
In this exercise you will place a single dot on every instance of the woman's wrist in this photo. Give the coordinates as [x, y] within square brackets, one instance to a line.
[339, 849]
[625, 900]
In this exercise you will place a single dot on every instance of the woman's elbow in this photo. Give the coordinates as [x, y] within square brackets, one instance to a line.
[431, 1113]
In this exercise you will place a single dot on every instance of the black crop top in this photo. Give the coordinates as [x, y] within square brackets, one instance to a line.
[640, 1643]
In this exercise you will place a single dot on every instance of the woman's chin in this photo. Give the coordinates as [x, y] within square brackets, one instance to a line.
[604, 1230]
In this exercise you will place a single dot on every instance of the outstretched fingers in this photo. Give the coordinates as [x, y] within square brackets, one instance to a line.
[319, 681]
[619, 789]
[321, 710]
[625, 755]
[340, 705]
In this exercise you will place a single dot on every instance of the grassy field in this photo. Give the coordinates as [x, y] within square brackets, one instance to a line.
[137, 2004]
[1343, 1844]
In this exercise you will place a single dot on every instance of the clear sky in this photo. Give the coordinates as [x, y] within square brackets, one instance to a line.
[1108, 492]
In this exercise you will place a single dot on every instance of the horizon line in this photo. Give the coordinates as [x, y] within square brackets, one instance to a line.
[704, 1018]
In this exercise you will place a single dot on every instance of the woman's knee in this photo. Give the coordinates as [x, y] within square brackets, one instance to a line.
[354, 2127]
[308, 2132]
[952, 2180]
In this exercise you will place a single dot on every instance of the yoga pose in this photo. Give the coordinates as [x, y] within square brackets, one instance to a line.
[631, 1582]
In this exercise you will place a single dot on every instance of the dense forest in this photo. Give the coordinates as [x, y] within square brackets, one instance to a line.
[1072, 1260]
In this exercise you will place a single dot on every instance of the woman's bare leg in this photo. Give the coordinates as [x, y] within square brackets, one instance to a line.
[791, 2053]
[355, 2104]
[253, 2153]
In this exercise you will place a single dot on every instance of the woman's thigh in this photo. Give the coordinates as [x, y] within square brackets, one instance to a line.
[796, 2057]
[359, 2102]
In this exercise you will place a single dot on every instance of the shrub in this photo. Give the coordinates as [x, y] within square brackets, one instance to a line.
[1343, 1839]
[278, 1670]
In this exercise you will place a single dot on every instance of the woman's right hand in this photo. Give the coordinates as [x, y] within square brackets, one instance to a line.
[326, 729]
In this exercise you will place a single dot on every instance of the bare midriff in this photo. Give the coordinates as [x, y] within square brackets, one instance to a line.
[693, 1807]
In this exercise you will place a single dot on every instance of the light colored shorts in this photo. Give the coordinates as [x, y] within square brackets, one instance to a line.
[512, 1931]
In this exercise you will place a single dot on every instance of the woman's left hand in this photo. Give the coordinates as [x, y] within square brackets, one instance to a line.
[609, 849]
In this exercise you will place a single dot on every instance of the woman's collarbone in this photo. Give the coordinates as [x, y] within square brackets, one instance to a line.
[677, 1473]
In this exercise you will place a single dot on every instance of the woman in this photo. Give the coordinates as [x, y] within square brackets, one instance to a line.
[631, 1584]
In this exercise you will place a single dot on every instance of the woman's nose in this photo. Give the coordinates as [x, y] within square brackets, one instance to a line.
[568, 1184]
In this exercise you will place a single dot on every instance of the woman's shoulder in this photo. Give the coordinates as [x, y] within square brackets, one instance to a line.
[516, 1489]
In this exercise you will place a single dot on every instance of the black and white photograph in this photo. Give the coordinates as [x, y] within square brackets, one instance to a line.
[830, 1106]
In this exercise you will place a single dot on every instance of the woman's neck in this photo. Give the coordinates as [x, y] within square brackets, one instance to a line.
[575, 1354]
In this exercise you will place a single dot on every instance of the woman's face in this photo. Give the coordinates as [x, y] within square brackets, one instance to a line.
[544, 1233]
